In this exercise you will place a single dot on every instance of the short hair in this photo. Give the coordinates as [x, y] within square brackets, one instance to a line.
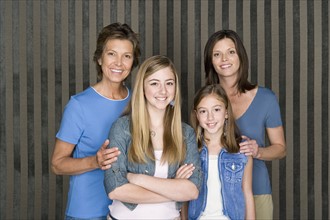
[116, 31]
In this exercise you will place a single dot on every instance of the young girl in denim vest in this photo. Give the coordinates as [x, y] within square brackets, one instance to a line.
[226, 191]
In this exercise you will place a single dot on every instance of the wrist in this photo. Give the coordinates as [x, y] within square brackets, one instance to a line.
[258, 156]
[95, 162]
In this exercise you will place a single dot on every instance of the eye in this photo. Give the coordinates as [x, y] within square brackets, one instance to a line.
[216, 54]
[153, 83]
[201, 112]
[171, 83]
[128, 56]
[111, 53]
[232, 52]
[217, 109]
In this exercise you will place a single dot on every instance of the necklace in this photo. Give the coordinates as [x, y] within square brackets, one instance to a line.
[152, 133]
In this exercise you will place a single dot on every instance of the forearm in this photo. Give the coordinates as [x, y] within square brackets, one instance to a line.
[277, 147]
[132, 193]
[74, 166]
[250, 208]
[173, 189]
[272, 152]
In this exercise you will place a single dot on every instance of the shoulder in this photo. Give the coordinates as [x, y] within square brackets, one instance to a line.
[188, 133]
[187, 129]
[83, 97]
[266, 95]
[83, 94]
[265, 91]
[123, 121]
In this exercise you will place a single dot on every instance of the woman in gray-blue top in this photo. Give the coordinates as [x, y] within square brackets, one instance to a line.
[255, 109]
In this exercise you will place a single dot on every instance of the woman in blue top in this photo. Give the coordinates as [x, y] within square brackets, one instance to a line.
[86, 123]
[255, 109]
[226, 192]
[159, 166]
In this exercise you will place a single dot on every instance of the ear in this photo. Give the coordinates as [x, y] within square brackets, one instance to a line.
[226, 116]
[196, 113]
[100, 62]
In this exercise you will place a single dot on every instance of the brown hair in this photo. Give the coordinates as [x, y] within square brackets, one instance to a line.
[211, 76]
[232, 138]
[116, 31]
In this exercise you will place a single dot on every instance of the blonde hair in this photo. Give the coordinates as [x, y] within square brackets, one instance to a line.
[231, 137]
[174, 148]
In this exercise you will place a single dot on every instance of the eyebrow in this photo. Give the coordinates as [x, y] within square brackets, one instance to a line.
[159, 80]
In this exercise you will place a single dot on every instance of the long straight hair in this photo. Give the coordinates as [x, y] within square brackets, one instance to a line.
[174, 149]
[231, 137]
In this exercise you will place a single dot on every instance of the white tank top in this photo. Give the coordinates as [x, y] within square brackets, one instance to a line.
[214, 206]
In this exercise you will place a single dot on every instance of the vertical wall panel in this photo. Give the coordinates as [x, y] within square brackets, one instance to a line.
[3, 150]
[46, 50]
[317, 107]
[43, 90]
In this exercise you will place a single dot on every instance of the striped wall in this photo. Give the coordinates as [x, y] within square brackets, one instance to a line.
[46, 52]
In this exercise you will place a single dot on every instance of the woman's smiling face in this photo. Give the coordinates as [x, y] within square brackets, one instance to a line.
[117, 60]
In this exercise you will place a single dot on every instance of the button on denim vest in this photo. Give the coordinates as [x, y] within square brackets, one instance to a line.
[231, 169]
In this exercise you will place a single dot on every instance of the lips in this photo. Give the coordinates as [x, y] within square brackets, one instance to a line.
[211, 125]
[225, 66]
[161, 99]
[116, 71]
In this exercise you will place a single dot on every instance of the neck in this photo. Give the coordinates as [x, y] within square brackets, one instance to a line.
[111, 90]
[228, 84]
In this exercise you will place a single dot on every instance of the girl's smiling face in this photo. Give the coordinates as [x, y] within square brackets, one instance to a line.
[211, 114]
[159, 89]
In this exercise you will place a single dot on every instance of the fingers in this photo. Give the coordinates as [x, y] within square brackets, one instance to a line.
[245, 138]
[185, 171]
[249, 148]
[105, 144]
[106, 156]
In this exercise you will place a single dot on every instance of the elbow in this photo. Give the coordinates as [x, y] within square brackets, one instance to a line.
[283, 152]
[55, 168]
[196, 193]
[193, 193]
[113, 195]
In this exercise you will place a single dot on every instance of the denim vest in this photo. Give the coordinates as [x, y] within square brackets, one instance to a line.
[231, 170]
[120, 137]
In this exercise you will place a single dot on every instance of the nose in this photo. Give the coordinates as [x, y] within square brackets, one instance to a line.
[118, 61]
[210, 115]
[162, 89]
[224, 57]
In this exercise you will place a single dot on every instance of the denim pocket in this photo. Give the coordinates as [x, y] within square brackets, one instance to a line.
[233, 172]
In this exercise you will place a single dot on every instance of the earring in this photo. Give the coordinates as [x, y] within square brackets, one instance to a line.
[172, 103]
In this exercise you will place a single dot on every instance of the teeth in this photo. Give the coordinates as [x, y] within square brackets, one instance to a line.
[211, 124]
[161, 99]
[116, 71]
[225, 66]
